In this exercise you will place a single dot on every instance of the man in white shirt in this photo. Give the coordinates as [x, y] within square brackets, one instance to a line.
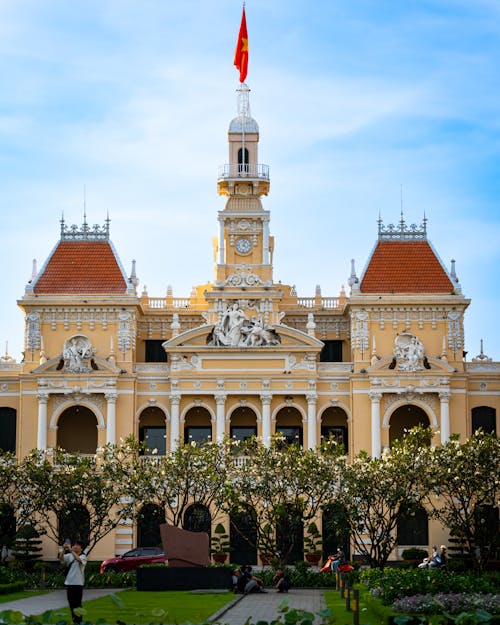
[75, 559]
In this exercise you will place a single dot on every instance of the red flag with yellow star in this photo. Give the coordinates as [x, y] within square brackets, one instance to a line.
[241, 54]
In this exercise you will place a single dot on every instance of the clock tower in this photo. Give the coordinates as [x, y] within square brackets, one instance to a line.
[244, 245]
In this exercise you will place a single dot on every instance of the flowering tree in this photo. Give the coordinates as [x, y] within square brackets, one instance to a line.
[463, 480]
[190, 474]
[52, 489]
[9, 495]
[281, 486]
[376, 492]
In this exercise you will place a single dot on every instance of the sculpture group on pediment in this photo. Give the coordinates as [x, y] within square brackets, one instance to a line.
[409, 352]
[78, 354]
[234, 330]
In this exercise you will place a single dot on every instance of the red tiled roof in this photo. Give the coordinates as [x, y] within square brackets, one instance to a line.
[81, 267]
[405, 267]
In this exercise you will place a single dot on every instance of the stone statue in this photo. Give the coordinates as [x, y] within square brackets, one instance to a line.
[235, 330]
[77, 354]
[409, 352]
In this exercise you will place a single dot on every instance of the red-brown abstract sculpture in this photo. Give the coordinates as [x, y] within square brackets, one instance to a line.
[184, 548]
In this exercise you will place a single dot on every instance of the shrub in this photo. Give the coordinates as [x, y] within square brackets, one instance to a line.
[414, 553]
[5, 589]
[390, 584]
[453, 603]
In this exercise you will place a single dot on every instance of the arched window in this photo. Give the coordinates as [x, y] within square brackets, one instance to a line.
[405, 418]
[334, 424]
[484, 418]
[197, 426]
[74, 523]
[150, 517]
[289, 425]
[243, 160]
[7, 429]
[197, 519]
[413, 528]
[243, 423]
[77, 430]
[153, 432]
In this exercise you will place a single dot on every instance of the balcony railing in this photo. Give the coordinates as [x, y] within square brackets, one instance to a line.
[313, 302]
[243, 170]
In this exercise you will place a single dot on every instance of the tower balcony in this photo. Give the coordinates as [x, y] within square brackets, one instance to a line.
[237, 171]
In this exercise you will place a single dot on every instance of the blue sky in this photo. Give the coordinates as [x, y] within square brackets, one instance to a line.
[354, 101]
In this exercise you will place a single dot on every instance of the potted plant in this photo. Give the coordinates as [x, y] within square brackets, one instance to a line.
[312, 544]
[219, 544]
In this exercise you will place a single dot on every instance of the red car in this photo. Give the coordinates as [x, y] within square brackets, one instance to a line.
[134, 558]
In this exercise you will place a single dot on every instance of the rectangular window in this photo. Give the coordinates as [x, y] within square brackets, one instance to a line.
[331, 352]
[243, 432]
[154, 437]
[198, 434]
[154, 351]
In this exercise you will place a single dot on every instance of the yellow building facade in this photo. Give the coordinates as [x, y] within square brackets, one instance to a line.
[243, 354]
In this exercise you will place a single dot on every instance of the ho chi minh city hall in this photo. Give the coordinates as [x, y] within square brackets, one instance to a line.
[244, 354]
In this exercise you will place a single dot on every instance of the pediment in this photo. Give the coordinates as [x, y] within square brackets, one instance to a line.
[387, 364]
[56, 365]
[200, 337]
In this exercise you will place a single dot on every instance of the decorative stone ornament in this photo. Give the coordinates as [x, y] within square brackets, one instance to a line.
[77, 354]
[234, 330]
[408, 352]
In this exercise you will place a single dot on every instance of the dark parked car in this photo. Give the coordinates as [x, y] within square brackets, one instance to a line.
[132, 559]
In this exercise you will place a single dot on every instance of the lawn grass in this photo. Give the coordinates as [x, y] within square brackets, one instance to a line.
[21, 594]
[169, 606]
[334, 601]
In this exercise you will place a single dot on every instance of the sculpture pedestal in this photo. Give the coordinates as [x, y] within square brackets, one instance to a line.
[183, 578]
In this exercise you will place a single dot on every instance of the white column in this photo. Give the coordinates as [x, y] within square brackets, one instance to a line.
[266, 418]
[265, 242]
[111, 418]
[41, 441]
[221, 241]
[444, 398]
[220, 422]
[312, 398]
[376, 444]
[175, 400]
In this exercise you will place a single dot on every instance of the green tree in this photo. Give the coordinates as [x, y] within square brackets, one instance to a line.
[463, 482]
[51, 487]
[375, 492]
[282, 485]
[190, 474]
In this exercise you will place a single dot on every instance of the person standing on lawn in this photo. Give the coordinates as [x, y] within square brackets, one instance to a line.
[75, 559]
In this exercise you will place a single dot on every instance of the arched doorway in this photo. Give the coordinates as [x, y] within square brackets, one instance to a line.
[289, 425]
[243, 537]
[335, 530]
[74, 523]
[153, 432]
[334, 425]
[150, 517]
[8, 422]
[405, 418]
[197, 518]
[243, 423]
[484, 418]
[7, 525]
[290, 534]
[197, 426]
[77, 430]
[413, 528]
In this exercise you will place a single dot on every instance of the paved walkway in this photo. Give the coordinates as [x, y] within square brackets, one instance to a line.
[52, 600]
[258, 606]
[265, 606]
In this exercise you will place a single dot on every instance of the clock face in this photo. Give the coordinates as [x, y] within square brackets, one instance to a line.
[243, 245]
